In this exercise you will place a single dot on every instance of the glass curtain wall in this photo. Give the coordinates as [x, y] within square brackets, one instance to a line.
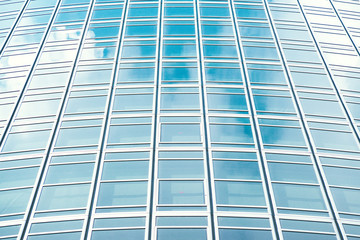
[180, 119]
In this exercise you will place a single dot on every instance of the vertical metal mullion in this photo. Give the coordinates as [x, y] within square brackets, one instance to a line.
[91, 206]
[8, 37]
[306, 129]
[257, 137]
[210, 185]
[345, 28]
[153, 182]
[45, 162]
[337, 91]
[29, 75]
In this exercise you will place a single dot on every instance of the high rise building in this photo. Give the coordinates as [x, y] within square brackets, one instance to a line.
[180, 119]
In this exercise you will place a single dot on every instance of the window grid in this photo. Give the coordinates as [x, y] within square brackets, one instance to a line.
[188, 118]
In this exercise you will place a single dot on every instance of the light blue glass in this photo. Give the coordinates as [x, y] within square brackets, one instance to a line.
[176, 48]
[86, 104]
[298, 196]
[255, 31]
[78, 136]
[244, 222]
[213, 29]
[38, 4]
[26, 141]
[222, 133]
[133, 102]
[179, 73]
[247, 234]
[234, 155]
[346, 200]
[143, 11]
[321, 107]
[334, 140]
[219, 51]
[288, 158]
[307, 225]
[93, 77]
[177, 28]
[181, 192]
[140, 30]
[292, 172]
[282, 135]
[180, 133]
[102, 31]
[71, 16]
[19, 177]
[56, 226]
[181, 234]
[63, 196]
[181, 221]
[179, 101]
[133, 234]
[125, 170]
[260, 52]
[310, 236]
[179, 10]
[181, 169]
[223, 73]
[250, 12]
[119, 222]
[106, 13]
[343, 176]
[9, 230]
[130, 133]
[38, 108]
[226, 101]
[236, 170]
[57, 236]
[122, 193]
[274, 104]
[139, 51]
[214, 10]
[69, 173]
[267, 76]
[239, 193]
[14, 201]
[352, 229]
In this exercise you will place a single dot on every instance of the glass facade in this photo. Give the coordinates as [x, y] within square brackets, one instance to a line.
[180, 119]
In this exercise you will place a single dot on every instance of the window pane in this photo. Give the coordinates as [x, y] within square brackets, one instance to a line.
[231, 133]
[181, 234]
[180, 133]
[181, 192]
[347, 200]
[78, 136]
[57, 236]
[239, 193]
[298, 196]
[181, 169]
[12, 201]
[133, 234]
[180, 101]
[122, 193]
[292, 172]
[236, 170]
[226, 234]
[69, 173]
[60, 197]
[307, 236]
[18, 177]
[130, 133]
[125, 170]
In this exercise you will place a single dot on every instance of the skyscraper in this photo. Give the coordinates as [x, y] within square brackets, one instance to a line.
[180, 120]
